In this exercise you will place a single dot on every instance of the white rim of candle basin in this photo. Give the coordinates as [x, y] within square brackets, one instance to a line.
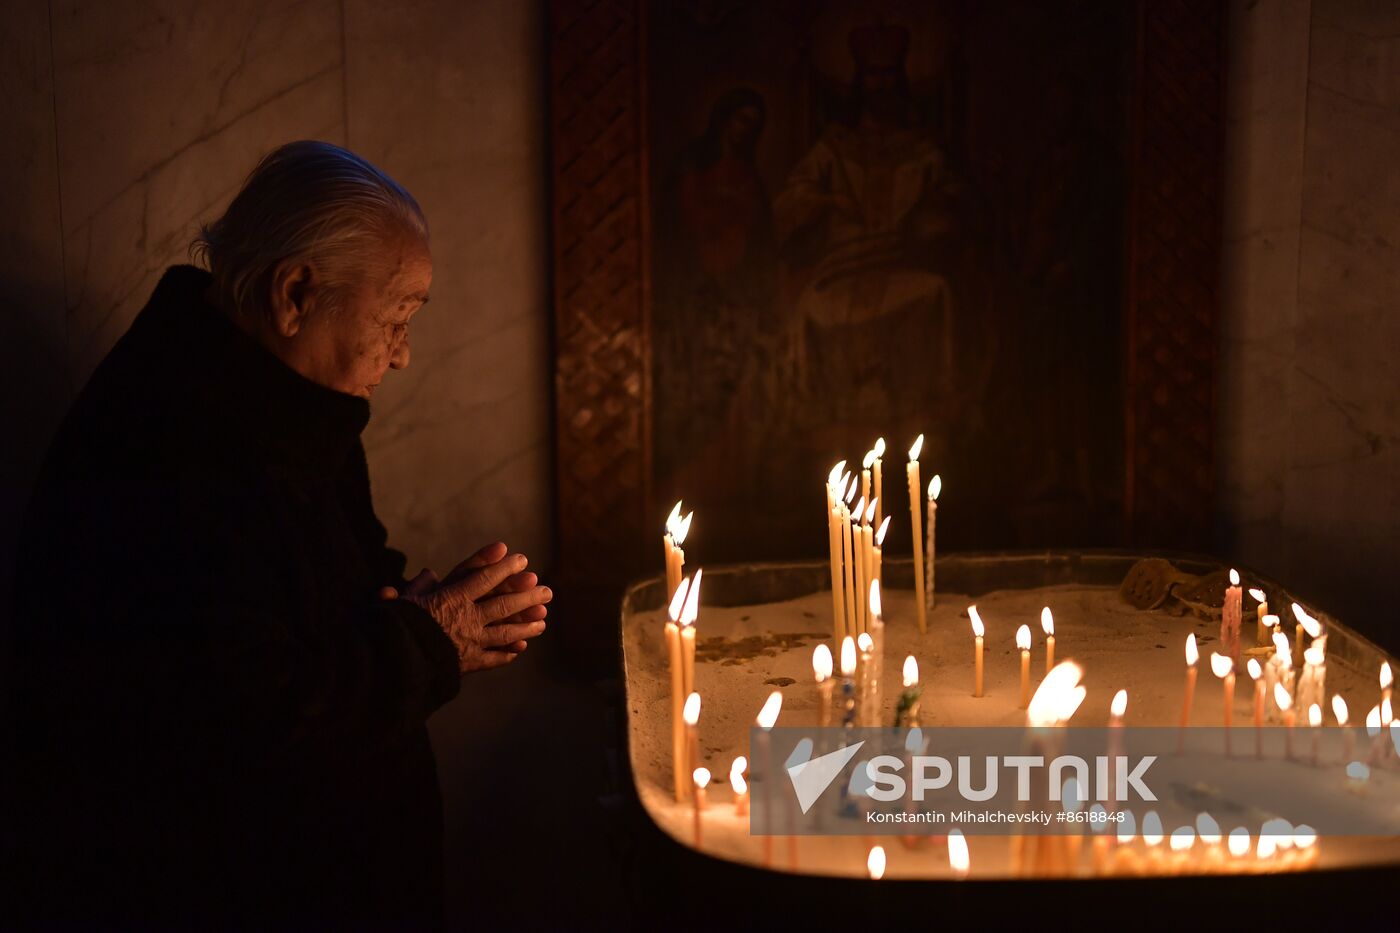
[916, 448]
[1058, 696]
[935, 486]
[875, 863]
[1220, 665]
[911, 673]
[959, 858]
[768, 715]
[1119, 706]
[978, 628]
[692, 600]
[1339, 709]
[821, 663]
[1047, 621]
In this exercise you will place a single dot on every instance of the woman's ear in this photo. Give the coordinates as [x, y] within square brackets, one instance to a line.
[293, 288]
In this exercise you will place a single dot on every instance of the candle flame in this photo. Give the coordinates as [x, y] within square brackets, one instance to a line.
[1208, 829]
[691, 712]
[739, 765]
[1311, 626]
[1239, 842]
[821, 662]
[1387, 678]
[1259, 597]
[1314, 656]
[833, 478]
[682, 529]
[879, 447]
[691, 612]
[959, 859]
[1127, 828]
[916, 448]
[1314, 715]
[1058, 696]
[978, 628]
[1152, 828]
[768, 716]
[1281, 697]
[1264, 848]
[850, 490]
[1339, 709]
[874, 600]
[1119, 706]
[884, 529]
[911, 673]
[865, 643]
[935, 486]
[1047, 621]
[674, 519]
[1183, 838]
[869, 459]
[1281, 649]
[840, 494]
[1304, 836]
[1373, 722]
[1279, 830]
[1270, 620]
[859, 510]
[737, 783]
[701, 776]
[677, 606]
[1220, 665]
[1234, 577]
[848, 656]
[875, 863]
[1255, 670]
[870, 511]
[1192, 655]
[1023, 638]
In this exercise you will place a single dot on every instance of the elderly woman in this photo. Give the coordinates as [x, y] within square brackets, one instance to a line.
[223, 676]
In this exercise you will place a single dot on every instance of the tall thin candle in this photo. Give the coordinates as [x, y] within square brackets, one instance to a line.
[1023, 642]
[1192, 656]
[978, 631]
[1257, 674]
[935, 486]
[1221, 666]
[915, 521]
[1230, 619]
[678, 692]
[1047, 625]
[878, 550]
[1261, 632]
[876, 470]
[857, 561]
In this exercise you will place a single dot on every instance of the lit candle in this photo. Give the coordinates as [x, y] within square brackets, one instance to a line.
[865, 677]
[1339, 710]
[1305, 623]
[1387, 681]
[691, 716]
[1285, 705]
[689, 615]
[821, 670]
[935, 486]
[865, 465]
[1238, 842]
[1023, 642]
[1221, 666]
[835, 490]
[676, 530]
[739, 786]
[978, 631]
[1314, 720]
[848, 684]
[959, 859]
[852, 626]
[766, 719]
[877, 551]
[1192, 656]
[701, 776]
[907, 712]
[1261, 633]
[1256, 672]
[1182, 839]
[867, 554]
[1152, 837]
[1312, 683]
[875, 863]
[1305, 841]
[874, 678]
[678, 692]
[1230, 618]
[1373, 732]
[857, 539]
[1047, 625]
[879, 489]
[1279, 670]
[1116, 709]
[915, 520]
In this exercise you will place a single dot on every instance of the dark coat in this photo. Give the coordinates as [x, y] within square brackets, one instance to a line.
[216, 719]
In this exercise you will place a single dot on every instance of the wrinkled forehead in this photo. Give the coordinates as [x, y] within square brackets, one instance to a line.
[403, 268]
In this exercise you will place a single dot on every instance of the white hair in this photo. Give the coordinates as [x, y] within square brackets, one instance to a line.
[310, 202]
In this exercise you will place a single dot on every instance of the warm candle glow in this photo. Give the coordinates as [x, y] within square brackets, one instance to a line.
[1387, 678]
[1304, 836]
[821, 662]
[1127, 828]
[1220, 664]
[1373, 722]
[978, 628]
[1023, 638]
[1314, 714]
[848, 656]
[911, 672]
[1120, 704]
[737, 783]
[959, 859]
[1207, 828]
[739, 765]
[1314, 655]
[840, 495]
[935, 486]
[673, 521]
[834, 477]
[1281, 697]
[1259, 597]
[1234, 577]
[691, 612]
[870, 511]
[1358, 771]
[1192, 655]
[1265, 847]
[916, 448]
[1385, 710]
[1310, 625]
[1058, 696]
[1270, 621]
[1239, 842]
[1339, 709]
[1047, 621]
[865, 643]
[768, 716]
[691, 713]
[879, 447]
[1183, 838]
[850, 489]
[880, 535]
[1255, 670]
[677, 607]
[701, 776]
[869, 460]
[874, 602]
[1282, 650]
[859, 510]
[875, 863]
[1152, 828]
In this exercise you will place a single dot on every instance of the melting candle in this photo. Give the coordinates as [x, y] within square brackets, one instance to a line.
[978, 631]
[1047, 625]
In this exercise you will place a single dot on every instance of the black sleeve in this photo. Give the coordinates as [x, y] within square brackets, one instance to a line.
[387, 563]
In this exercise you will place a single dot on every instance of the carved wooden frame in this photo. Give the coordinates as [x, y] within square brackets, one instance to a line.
[602, 282]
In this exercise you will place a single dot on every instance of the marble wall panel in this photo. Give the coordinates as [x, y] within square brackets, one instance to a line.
[448, 98]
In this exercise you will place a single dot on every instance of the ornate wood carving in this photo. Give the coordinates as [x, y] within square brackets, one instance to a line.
[1172, 297]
